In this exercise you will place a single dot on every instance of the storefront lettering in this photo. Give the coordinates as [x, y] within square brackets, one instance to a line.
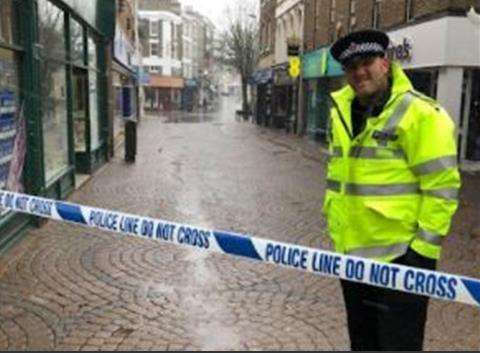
[400, 52]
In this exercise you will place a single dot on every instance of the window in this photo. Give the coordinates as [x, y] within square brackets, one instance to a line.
[153, 28]
[154, 49]
[333, 9]
[51, 31]
[353, 6]
[92, 52]
[353, 18]
[77, 43]
[53, 83]
[409, 6]
[93, 109]
[156, 69]
[7, 22]
[12, 126]
[376, 14]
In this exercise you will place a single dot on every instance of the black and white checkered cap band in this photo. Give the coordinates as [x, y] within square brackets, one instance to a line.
[362, 48]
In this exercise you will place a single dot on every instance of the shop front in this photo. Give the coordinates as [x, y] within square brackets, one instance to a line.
[52, 96]
[125, 81]
[442, 58]
[164, 93]
[262, 91]
[283, 93]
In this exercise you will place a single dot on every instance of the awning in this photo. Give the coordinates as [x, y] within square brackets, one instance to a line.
[166, 81]
[262, 76]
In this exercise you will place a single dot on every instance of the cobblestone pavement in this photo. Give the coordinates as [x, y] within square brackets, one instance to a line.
[67, 287]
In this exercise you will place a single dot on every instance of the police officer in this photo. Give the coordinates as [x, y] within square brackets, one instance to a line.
[392, 186]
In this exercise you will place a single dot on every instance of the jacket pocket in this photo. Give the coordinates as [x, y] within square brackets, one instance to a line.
[404, 210]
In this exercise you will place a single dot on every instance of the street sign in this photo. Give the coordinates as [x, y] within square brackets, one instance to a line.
[294, 66]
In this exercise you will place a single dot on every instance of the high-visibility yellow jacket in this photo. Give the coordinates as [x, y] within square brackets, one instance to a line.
[395, 185]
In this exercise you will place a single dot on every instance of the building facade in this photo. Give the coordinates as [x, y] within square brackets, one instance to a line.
[125, 66]
[161, 25]
[55, 60]
[262, 81]
[289, 24]
[434, 41]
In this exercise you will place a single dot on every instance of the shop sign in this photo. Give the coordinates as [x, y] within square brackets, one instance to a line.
[314, 64]
[320, 63]
[400, 52]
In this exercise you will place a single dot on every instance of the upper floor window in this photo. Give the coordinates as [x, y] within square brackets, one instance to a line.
[333, 10]
[353, 17]
[154, 49]
[409, 5]
[154, 28]
[376, 14]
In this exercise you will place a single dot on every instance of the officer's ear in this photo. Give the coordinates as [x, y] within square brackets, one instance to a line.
[385, 63]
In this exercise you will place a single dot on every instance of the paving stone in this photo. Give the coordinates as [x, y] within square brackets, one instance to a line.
[85, 289]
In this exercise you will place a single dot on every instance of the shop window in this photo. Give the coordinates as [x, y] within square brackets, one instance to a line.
[51, 33]
[54, 118]
[7, 22]
[77, 41]
[93, 104]
[53, 103]
[92, 52]
[79, 108]
[12, 125]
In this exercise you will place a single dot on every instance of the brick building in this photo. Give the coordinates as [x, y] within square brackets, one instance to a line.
[434, 40]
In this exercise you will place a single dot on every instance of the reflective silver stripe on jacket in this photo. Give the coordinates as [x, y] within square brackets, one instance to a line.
[376, 153]
[337, 152]
[395, 250]
[435, 165]
[381, 190]
[399, 112]
[334, 185]
[447, 193]
[429, 237]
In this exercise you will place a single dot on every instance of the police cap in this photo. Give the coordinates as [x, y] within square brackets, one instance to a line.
[365, 43]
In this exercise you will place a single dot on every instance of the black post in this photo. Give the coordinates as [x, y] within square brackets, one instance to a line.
[130, 141]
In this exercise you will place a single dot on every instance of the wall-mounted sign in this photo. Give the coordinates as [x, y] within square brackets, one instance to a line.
[402, 51]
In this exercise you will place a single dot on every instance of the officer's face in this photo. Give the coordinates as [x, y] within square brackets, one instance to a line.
[368, 76]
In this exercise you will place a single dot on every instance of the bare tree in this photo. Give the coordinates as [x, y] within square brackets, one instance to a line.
[239, 43]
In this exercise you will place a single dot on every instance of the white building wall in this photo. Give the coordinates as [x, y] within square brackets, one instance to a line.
[167, 59]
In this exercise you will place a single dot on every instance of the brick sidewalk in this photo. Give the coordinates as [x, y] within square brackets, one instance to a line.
[67, 287]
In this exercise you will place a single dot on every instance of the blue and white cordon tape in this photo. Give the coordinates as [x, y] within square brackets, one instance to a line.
[403, 278]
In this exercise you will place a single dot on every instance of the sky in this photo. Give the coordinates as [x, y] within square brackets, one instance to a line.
[213, 9]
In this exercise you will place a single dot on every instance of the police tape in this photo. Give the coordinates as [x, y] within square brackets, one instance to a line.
[433, 284]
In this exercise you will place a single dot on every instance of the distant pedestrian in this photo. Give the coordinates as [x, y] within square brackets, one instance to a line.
[392, 187]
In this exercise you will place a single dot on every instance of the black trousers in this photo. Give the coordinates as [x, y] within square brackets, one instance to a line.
[385, 319]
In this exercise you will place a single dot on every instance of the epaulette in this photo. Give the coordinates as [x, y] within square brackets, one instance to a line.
[427, 99]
